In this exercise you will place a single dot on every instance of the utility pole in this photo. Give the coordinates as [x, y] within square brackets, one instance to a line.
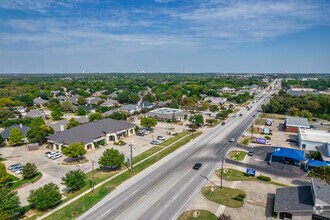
[93, 177]
[222, 161]
[252, 131]
[131, 160]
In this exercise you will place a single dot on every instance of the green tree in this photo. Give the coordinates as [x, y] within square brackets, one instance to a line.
[225, 217]
[81, 111]
[111, 158]
[45, 197]
[29, 170]
[203, 107]
[9, 203]
[74, 150]
[4, 176]
[66, 106]
[294, 111]
[322, 173]
[118, 116]
[36, 122]
[95, 116]
[149, 97]
[38, 134]
[72, 123]
[197, 119]
[5, 114]
[15, 137]
[306, 114]
[81, 100]
[57, 114]
[193, 126]
[133, 98]
[211, 121]
[148, 122]
[214, 108]
[2, 141]
[74, 180]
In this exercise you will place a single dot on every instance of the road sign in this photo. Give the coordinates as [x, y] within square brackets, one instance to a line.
[250, 171]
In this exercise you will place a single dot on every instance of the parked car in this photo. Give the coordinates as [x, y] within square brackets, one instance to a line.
[154, 142]
[197, 166]
[251, 152]
[18, 171]
[231, 140]
[14, 166]
[140, 134]
[223, 123]
[56, 155]
[161, 138]
[47, 153]
[268, 142]
[145, 131]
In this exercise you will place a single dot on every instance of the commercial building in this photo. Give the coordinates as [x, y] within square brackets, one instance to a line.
[310, 202]
[165, 114]
[227, 90]
[291, 124]
[310, 139]
[92, 134]
[216, 100]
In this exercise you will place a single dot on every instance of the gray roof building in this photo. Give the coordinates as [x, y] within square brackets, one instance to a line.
[304, 202]
[34, 113]
[94, 100]
[61, 125]
[110, 103]
[39, 101]
[24, 129]
[86, 133]
[297, 122]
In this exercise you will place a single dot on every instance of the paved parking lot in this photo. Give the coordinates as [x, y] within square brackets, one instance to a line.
[53, 170]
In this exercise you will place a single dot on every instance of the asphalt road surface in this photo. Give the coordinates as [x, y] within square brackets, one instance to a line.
[164, 190]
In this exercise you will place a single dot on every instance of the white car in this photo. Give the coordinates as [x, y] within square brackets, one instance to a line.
[268, 142]
[231, 140]
[161, 138]
[18, 171]
[56, 155]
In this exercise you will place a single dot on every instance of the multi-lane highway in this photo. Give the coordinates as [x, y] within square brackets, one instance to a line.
[164, 190]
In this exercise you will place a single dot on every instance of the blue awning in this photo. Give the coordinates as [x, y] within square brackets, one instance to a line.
[317, 163]
[297, 155]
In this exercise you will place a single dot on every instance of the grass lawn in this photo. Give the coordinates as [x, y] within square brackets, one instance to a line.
[246, 140]
[22, 182]
[246, 103]
[173, 139]
[236, 175]
[203, 215]
[273, 116]
[81, 205]
[224, 196]
[81, 161]
[237, 155]
[260, 121]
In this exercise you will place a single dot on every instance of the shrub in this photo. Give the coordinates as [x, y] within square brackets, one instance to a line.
[267, 137]
[316, 155]
[264, 178]
[238, 198]
[241, 195]
[247, 174]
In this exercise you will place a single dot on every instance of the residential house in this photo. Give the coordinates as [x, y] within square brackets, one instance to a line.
[61, 125]
[92, 134]
[20, 109]
[292, 124]
[164, 103]
[93, 100]
[146, 105]
[114, 94]
[5, 133]
[165, 114]
[110, 103]
[85, 107]
[40, 102]
[130, 109]
[309, 202]
[35, 113]
[98, 93]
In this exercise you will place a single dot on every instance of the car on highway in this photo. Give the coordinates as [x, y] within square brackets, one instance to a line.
[234, 115]
[161, 138]
[240, 114]
[223, 123]
[197, 166]
[253, 116]
[251, 153]
[154, 142]
[231, 140]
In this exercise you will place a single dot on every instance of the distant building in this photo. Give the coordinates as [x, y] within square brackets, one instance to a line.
[292, 124]
[146, 105]
[110, 103]
[35, 113]
[92, 134]
[165, 114]
[216, 100]
[93, 100]
[227, 90]
[310, 202]
[309, 139]
[61, 125]
[130, 109]
[40, 102]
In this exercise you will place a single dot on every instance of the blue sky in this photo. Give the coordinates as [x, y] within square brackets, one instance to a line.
[49, 36]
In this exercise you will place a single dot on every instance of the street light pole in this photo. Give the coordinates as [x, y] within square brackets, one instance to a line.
[252, 131]
[222, 161]
[93, 177]
[131, 160]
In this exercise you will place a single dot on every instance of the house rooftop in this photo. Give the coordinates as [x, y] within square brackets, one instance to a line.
[321, 190]
[314, 135]
[297, 122]
[5, 133]
[166, 111]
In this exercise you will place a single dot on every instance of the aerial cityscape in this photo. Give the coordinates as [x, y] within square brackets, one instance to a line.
[165, 110]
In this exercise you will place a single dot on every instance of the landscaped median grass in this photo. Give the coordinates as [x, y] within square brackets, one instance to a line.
[84, 203]
[198, 215]
[224, 196]
[19, 183]
[237, 155]
[236, 175]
